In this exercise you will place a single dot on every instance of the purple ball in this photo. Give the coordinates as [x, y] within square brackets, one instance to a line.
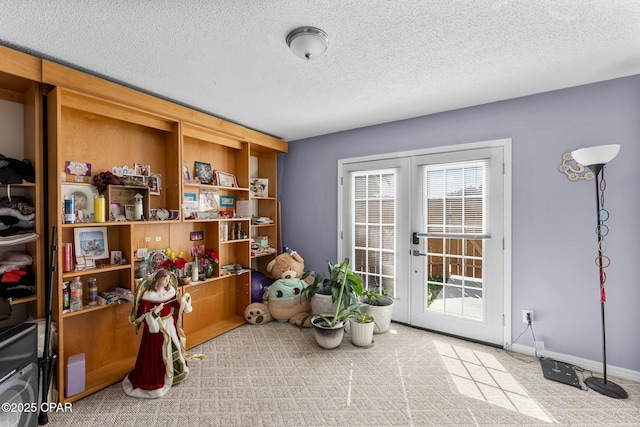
[259, 284]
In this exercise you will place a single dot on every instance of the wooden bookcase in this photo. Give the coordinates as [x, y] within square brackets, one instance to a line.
[97, 122]
[20, 88]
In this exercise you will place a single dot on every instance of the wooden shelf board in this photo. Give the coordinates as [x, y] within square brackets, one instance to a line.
[91, 271]
[23, 300]
[103, 377]
[89, 308]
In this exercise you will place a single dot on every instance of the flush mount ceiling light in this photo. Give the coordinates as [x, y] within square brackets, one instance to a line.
[307, 42]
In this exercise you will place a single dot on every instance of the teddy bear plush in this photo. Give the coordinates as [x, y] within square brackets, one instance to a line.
[287, 266]
[284, 300]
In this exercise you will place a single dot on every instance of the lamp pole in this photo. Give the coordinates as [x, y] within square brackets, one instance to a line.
[602, 385]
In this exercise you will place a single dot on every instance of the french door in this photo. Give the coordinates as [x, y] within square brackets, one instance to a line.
[428, 229]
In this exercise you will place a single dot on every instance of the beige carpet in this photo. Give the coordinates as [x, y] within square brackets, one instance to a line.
[276, 375]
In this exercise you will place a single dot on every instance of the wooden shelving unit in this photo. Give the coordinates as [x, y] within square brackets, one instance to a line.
[20, 77]
[97, 122]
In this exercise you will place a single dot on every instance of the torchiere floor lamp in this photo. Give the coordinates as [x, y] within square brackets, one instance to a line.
[595, 158]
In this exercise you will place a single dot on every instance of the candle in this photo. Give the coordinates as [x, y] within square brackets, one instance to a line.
[99, 209]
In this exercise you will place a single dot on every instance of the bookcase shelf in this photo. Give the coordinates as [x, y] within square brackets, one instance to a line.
[101, 123]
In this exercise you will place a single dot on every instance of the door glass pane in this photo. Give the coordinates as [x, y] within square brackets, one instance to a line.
[454, 197]
[373, 222]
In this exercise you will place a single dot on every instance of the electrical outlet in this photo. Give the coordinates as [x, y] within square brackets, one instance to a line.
[524, 316]
[539, 345]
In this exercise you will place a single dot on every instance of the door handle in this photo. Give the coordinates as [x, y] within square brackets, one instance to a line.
[417, 253]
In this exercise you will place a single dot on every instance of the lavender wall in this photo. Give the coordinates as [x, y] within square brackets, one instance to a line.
[554, 243]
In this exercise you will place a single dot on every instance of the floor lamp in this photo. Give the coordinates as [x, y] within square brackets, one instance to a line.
[595, 158]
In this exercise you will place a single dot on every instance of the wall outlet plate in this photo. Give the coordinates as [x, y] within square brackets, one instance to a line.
[539, 345]
[524, 315]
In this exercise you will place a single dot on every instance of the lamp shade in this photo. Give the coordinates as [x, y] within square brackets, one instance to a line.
[598, 155]
[307, 42]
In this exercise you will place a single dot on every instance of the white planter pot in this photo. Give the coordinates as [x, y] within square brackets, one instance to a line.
[361, 333]
[327, 337]
[381, 313]
[321, 304]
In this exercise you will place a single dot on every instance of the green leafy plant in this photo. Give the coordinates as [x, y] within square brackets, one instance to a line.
[346, 289]
[342, 283]
[373, 298]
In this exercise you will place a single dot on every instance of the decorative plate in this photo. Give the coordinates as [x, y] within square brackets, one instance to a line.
[163, 214]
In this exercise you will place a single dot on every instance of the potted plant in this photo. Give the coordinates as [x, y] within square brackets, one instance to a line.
[362, 325]
[329, 327]
[324, 291]
[380, 307]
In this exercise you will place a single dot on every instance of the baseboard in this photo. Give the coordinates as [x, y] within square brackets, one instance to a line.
[586, 364]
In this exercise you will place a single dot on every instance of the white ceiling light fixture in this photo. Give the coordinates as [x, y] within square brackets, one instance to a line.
[307, 42]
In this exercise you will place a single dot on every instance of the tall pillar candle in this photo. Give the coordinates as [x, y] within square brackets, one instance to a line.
[99, 209]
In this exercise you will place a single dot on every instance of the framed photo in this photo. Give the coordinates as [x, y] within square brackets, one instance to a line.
[186, 172]
[227, 201]
[259, 187]
[92, 242]
[209, 200]
[155, 184]
[142, 170]
[174, 214]
[196, 235]
[225, 179]
[115, 210]
[130, 212]
[155, 260]
[83, 195]
[116, 257]
[203, 172]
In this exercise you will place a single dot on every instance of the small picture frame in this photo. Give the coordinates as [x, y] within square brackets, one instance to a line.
[116, 257]
[209, 200]
[194, 236]
[84, 262]
[226, 179]
[259, 187]
[83, 195]
[155, 184]
[115, 210]
[227, 201]
[175, 214]
[186, 172]
[142, 170]
[203, 172]
[130, 212]
[92, 242]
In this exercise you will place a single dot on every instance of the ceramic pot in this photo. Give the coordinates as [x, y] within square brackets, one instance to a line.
[326, 336]
[381, 313]
[361, 333]
[321, 304]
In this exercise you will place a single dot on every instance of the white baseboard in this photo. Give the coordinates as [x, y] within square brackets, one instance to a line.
[588, 365]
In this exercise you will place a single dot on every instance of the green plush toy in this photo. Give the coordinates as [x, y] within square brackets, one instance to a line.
[286, 300]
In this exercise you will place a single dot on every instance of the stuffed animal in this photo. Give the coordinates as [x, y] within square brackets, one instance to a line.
[257, 313]
[288, 266]
[284, 300]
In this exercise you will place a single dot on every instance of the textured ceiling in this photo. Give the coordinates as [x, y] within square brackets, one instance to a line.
[387, 60]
